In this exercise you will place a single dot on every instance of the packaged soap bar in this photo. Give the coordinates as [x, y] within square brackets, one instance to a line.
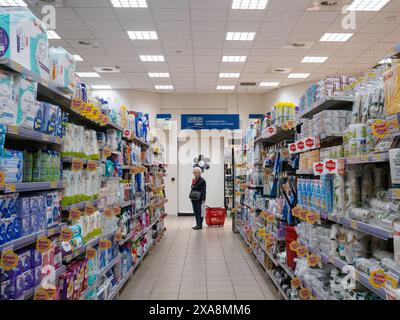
[24, 40]
[8, 104]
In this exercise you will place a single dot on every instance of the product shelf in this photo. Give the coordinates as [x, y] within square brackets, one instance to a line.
[30, 239]
[329, 103]
[101, 274]
[368, 158]
[84, 160]
[137, 140]
[19, 133]
[275, 282]
[305, 171]
[279, 136]
[139, 235]
[31, 292]
[80, 205]
[340, 264]
[31, 186]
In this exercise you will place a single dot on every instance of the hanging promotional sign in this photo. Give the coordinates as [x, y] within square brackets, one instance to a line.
[328, 166]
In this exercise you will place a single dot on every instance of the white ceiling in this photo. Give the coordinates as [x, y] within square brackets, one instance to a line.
[198, 28]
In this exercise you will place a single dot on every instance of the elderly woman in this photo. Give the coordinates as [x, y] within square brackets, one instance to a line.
[198, 196]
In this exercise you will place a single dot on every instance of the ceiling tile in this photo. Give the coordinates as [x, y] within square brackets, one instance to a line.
[208, 15]
[103, 24]
[96, 13]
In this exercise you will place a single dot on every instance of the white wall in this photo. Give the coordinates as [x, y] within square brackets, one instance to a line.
[287, 94]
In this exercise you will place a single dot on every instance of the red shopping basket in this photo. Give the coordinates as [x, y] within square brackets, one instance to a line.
[215, 216]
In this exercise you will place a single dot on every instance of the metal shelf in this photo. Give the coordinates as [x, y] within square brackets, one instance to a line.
[305, 171]
[368, 158]
[137, 140]
[19, 133]
[31, 186]
[275, 282]
[84, 160]
[279, 136]
[329, 103]
[80, 205]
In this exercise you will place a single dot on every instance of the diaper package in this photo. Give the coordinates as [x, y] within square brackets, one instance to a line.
[27, 109]
[12, 164]
[63, 66]
[8, 109]
[23, 39]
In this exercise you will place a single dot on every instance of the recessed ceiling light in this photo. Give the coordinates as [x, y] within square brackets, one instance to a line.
[298, 75]
[142, 35]
[52, 35]
[314, 59]
[101, 87]
[229, 75]
[240, 36]
[77, 57]
[336, 37]
[129, 3]
[225, 87]
[249, 4]
[152, 58]
[88, 75]
[12, 3]
[367, 5]
[164, 87]
[234, 59]
[158, 74]
[269, 84]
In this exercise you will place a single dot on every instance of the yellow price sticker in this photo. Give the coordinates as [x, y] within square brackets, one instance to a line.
[9, 260]
[301, 251]
[74, 214]
[108, 213]
[77, 165]
[294, 245]
[313, 260]
[295, 283]
[90, 253]
[41, 295]
[43, 244]
[2, 179]
[378, 278]
[66, 234]
[12, 129]
[90, 209]
[9, 188]
[261, 232]
[305, 293]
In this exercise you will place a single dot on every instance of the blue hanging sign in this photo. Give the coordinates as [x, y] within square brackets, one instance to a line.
[255, 116]
[210, 121]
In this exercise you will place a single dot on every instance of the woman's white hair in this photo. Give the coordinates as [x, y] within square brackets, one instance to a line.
[197, 169]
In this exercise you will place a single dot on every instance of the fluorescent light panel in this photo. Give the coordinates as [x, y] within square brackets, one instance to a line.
[152, 58]
[12, 3]
[367, 5]
[142, 35]
[298, 75]
[234, 59]
[269, 84]
[88, 75]
[229, 75]
[240, 36]
[52, 35]
[314, 59]
[249, 4]
[164, 87]
[101, 87]
[129, 3]
[158, 74]
[336, 37]
[77, 57]
[225, 87]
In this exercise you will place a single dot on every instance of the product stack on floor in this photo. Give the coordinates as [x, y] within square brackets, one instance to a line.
[317, 190]
[82, 188]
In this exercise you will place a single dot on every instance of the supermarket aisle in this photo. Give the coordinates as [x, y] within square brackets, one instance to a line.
[207, 264]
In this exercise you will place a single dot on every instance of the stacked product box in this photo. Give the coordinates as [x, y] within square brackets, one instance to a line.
[331, 122]
[307, 159]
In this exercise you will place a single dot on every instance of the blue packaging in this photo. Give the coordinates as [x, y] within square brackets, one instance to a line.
[8, 289]
[12, 164]
[34, 205]
[38, 121]
[42, 223]
[26, 260]
[3, 206]
[37, 275]
[9, 232]
[12, 203]
[29, 279]
[36, 258]
[59, 127]
[20, 286]
[34, 223]
[41, 204]
[49, 119]
[24, 225]
[23, 207]
[12, 274]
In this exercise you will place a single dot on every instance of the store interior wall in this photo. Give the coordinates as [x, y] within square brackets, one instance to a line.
[177, 104]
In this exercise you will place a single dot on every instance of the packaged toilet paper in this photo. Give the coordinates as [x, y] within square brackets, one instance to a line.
[26, 92]
[8, 108]
[23, 39]
[62, 65]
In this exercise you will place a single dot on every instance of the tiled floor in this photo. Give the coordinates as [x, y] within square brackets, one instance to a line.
[208, 264]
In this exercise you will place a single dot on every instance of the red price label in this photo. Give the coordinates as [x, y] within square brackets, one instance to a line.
[300, 145]
[330, 165]
[90, 253]
[310, 143]
[127, 133]
[292, 147]
[319, 167]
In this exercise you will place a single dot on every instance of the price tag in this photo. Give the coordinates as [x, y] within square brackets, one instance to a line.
[9, 188]
[270, 239]
[45, 137]
[291, 124]
[295, 283]
[53, 184]
[364, 158]
[106, 152]
[92, 165]
[41, 295]
[77, 105]
[312, 217]
[90, 209]
[12, 129]
[127, 133]
[9, 260]
[90, 253]
[66, 234]
[378, 278]
[354, 224]
[77, 165]
[271, 218]
[292, 147]
[304, 293]
[43, 244]
[313, 260]
[261, 232]
[392, 280]
[294, 245]
[296, 211]
[379, 128]
[105, 244]
[301, 251]
[118, 236]
[74, 214]
[117, 210]
[2, 179]
[108, 213]
[303, 214]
